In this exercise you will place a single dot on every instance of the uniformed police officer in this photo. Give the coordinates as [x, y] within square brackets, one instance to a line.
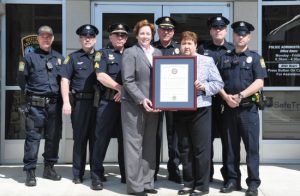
[243, 72]
[78, 76]
[108, 69]
[38, 78]
[169, 47]
[216, 48]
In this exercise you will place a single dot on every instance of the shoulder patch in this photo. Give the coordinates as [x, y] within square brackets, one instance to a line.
[262, 63]
[98, 56]
[21, 66]
[96, 66]
[67, 60]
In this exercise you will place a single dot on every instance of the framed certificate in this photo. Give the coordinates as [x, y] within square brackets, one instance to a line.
[173, 80]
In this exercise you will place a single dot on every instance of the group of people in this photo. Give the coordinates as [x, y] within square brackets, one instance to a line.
[109, 92]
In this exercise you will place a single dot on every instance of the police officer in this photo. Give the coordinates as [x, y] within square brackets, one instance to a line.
[108, 69]
[243, 72]
[78, 76]
[216, 48]
[38, 78]
[169, 47]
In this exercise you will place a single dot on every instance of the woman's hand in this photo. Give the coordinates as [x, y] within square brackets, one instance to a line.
[148, 106]
[199, 86]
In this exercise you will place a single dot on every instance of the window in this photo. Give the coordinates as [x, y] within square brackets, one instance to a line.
[281, 44]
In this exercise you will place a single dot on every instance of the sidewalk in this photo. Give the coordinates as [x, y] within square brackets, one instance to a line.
[277, 180]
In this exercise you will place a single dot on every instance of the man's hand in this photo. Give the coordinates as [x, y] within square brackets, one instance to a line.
[67, 109]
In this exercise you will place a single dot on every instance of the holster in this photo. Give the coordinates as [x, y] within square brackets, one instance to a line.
[109, 94]
[71, 99]
[97, 96]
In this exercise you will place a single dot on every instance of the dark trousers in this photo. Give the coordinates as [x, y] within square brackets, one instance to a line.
[194, 133]
[108, 120]
[172, 138]
[83, 123]
[39, 119]
[242, 123]
[217, 132]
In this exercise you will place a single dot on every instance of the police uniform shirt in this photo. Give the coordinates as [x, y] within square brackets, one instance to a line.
[214, 51]
[239, 71]
[79, 69]
[171, 50]
[110, 63]
[40, 70]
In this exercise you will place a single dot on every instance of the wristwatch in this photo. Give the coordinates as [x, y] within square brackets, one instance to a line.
[241, 96]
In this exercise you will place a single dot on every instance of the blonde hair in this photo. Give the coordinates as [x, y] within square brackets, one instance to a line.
[141, 24]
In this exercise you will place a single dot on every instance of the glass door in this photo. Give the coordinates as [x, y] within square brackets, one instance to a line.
[189, 16]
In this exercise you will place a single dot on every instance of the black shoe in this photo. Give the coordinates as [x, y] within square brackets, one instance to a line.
[139, 193]
[30, 178]
[77, 180]
[123, 180]
[229, 187]
[175, 178]
[198, 193]
[251, 191]
[151, 191]
[184, 191]
[96, 185]
[50, 173]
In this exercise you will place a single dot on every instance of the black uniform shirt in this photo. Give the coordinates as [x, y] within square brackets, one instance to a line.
[39, 72]
[239, 71]
[170, 50]
[214, 51]
[78, 68]
[110, 63]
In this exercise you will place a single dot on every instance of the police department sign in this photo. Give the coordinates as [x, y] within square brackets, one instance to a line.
[28, 44]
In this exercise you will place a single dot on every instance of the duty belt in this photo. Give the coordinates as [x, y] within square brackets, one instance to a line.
[84, 95]
[246, 102]
[40, 101]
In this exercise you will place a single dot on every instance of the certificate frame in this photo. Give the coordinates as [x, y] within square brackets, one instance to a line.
[173, 80]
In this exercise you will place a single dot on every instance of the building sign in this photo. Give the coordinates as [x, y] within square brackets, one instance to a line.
[282, 120]
[28, 44]
[281, 44]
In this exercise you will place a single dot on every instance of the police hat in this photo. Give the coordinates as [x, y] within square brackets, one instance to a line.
[45, 29]
[166, 22]
[242, 27]
[118, 28]
[217, 21]
[87, 30]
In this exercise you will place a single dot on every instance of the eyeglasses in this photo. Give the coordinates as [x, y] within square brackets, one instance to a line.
[122, 35]
[167, 29]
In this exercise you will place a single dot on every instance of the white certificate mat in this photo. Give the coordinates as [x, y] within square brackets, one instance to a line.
[174, 82]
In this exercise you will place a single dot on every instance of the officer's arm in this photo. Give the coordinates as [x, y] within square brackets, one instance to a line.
[107, 81]
[228, 98]
[253, 88]
[65, 86]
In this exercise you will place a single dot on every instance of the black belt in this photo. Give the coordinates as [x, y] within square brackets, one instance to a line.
[84, 95]
[41, 101]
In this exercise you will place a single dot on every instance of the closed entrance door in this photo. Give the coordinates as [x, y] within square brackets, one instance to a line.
[189, 16]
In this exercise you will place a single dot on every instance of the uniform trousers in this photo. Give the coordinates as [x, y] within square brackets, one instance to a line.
[139, 137]
[108, 120]
[194, 134]
[242, 123]
[172, 138]
[83, 123]
[39, 119]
